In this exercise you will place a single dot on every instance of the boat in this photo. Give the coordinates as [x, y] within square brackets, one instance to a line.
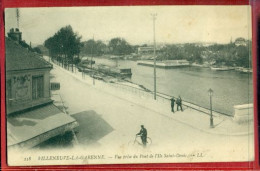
[247, 70]
[116, 57]
[165, 64]
[113, 71]
[223, 68]
[106, 70]
[244, 70]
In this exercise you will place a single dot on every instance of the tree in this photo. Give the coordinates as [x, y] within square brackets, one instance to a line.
[187, 51]
[37, 50]
[243, 56]
[64, 44]
[95, 48]
[118, 46]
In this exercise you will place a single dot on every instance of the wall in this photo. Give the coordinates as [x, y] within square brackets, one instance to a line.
[21, 89]
[243, 113]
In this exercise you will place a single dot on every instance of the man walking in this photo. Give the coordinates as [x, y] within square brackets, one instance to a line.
[143, 134]
[179, 103]
[172, 104]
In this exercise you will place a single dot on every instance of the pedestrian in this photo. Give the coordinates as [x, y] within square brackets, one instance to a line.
[172, 104]
[179, 103]
[143, 134]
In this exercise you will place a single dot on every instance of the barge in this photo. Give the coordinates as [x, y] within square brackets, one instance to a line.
[106, 70]
[221, 68]
[167, 64]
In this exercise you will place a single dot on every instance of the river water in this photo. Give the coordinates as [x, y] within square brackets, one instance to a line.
[192, 84]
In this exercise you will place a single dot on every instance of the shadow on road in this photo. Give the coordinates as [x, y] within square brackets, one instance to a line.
[92, 127]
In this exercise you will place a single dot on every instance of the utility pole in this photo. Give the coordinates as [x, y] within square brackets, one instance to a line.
[92, 60]
[154, 53]
[210, 91]
[92, 53]
[17, 16]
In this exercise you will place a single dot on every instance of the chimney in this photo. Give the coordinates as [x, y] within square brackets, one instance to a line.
[15, 34]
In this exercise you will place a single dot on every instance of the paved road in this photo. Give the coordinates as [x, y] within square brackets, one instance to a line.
[168, 135]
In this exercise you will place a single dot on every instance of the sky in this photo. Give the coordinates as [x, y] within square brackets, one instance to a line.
[173, 24]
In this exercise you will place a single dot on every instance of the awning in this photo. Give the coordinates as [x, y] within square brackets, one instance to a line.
[30, 128]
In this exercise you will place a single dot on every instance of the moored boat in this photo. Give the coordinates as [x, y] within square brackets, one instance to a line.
[247, 70]
[165, 64]
[107, 70]
[114, 71]
[244, 70]
[223, 68]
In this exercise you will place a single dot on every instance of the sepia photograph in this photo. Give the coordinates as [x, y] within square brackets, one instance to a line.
[129, 84]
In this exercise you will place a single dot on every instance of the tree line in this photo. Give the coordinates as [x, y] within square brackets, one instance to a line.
[66, 46]
[116, 46]
[216, 54]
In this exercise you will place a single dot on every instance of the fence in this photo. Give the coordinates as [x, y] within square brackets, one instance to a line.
[141, 92]
[164, 98]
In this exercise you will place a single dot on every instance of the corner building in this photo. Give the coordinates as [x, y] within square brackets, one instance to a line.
[32, 118]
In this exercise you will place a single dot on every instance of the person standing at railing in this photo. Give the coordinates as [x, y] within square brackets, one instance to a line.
[172, 104]
[179, 103]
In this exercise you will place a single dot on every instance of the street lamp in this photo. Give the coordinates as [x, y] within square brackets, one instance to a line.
[210, 91]
[92, 60]
[154, 53]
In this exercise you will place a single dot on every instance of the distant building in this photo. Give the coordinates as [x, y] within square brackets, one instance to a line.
[240, 42]
[31, 116]
[147, 50]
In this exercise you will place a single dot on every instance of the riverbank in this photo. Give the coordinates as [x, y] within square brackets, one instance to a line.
[133, 88]
[170, 64]
[191, 83]
[224, 125]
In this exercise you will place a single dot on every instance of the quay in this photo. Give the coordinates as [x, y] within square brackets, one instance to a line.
[193, 115]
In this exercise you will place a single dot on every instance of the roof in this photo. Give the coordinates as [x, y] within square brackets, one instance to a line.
[22, 127]
[20, 58]
[240, 39]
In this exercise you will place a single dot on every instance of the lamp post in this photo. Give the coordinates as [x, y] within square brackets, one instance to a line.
[92, 60]
[210, 91]
[154, 53]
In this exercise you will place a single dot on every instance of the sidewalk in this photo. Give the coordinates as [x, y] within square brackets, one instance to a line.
[223, 125]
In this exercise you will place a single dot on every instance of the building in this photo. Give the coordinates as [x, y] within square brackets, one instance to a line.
[147, 50]
[31, 116]
[240, 42]
[15, 34]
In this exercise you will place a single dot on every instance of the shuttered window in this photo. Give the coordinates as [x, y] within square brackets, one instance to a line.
[37, 87]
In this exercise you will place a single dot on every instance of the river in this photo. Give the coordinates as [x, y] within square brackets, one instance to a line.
[192, 84]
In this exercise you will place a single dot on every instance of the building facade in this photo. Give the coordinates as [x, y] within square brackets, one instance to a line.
[32, 118]
[27, 78]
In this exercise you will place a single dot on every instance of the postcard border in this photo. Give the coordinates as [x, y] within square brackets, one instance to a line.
[67, 3]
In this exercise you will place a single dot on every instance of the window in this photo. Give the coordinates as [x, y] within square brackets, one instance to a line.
[37, 87]
[8, 91]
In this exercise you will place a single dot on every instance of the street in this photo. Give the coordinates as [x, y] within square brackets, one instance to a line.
[125, 118]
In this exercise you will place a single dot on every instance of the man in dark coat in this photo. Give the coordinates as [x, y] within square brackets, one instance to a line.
[143, 134]
[172, 104]
[179, 103]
